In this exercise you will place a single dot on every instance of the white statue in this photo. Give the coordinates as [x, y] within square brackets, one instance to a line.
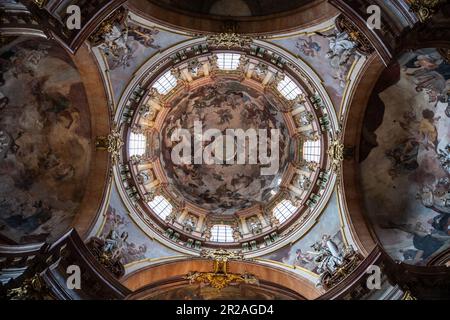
[328, 255]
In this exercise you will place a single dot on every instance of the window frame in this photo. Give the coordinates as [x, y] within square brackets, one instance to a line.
[222, 233]
[161, 206]
[284, 210]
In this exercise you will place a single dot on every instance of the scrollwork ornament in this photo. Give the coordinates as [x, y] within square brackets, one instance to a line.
[336, 155]
[424, 9]
[229, 40]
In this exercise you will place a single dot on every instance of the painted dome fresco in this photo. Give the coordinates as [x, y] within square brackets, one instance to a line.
[228, 187]
[212, 149]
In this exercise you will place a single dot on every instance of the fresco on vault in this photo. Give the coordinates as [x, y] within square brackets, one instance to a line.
[405, 170]
[302, 254]
[330, 53]
[224, 189]
[129, 242]
[127, 45]
[44, 140]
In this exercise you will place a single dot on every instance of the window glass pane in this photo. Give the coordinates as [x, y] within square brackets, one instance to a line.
[289, 88]
[137, 144]
[221, 233]
[228, 61]
[312, 151]
[284, 210]
[161, 207]
[165, 83]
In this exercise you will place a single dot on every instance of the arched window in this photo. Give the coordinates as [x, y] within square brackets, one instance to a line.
[288, 88]
[161, 207]
[221, 233]
[137, 144]
[312, 151]
[228, 61]
[165, 83]
[284, 210]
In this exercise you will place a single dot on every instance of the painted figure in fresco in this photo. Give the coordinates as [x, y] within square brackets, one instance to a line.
[116, 46]
[26, 61]
[118, 42]
[427, 129]
[115, 244]
[308, 47]
[305, 260]
[340, 45]
[4, 100]
[5, 144]
[30, 219]
[144, 36]
[444, 158]
[403, 157]
[426, 242]
[341, 50]
[134, 253]
[437, 197]
[432, 74]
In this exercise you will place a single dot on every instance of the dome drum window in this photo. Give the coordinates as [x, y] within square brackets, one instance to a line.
[137, 144]
[221, 233]
[284, 211]
[289, 89]
[228, 61]
[161, 207]
[312, 150]
[166, 83]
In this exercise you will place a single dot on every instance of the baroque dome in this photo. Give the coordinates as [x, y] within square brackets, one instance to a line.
[225, 104]
[226, 148]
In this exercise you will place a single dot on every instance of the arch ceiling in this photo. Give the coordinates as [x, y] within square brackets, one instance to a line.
[363, 147]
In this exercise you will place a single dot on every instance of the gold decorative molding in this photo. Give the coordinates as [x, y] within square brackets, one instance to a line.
[336, 154]
[40, 3]
[229, 40]
[219, 278]
[408, 296]
[220, 281]
[424, 9]
[351, 261]
[117, 17]
[33, 288]
[113, 143]
[221, 257]
[363, 44]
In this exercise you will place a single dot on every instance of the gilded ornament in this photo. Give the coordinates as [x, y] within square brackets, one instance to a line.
[229, 40]
[113, 143]
[336, 154]
[220, 278]
[424, 9]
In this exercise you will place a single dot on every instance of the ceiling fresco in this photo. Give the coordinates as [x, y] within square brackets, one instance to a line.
[405, 172]
[45, 140]
[329, 51]
[128, 45]
[226, 188]
[128, 242]
[138, 148]
[302, 254]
